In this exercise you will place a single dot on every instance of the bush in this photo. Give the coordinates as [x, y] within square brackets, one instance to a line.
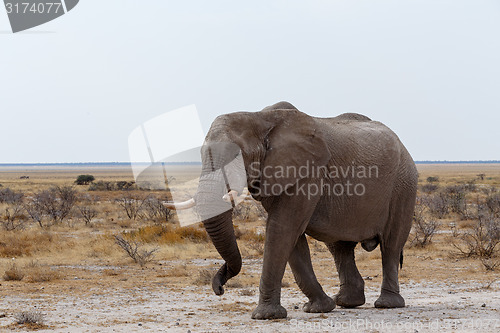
[133, 250]
[30, 318]
[437, 205]
[481, 241]
[56, 203]
[429, 188]
[10, 197]
[13, 216]
[86, 208]
[154, 209]
[132, 204]
[432, 179]
[13, 274]
[424, 230]
[493, 204]
[112, 186]
[84, 179]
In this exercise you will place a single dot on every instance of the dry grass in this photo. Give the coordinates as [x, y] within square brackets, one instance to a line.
[168, 234]
[32, 272]
[27, 242]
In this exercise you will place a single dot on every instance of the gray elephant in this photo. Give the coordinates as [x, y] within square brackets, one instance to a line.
[341, 180]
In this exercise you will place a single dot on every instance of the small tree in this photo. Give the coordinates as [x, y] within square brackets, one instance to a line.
[84, 179]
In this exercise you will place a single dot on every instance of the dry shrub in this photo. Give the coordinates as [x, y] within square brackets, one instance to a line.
[25, 243]
[490, 264]
[132, 204]
[429, 188]
[134, 250]
[41, 274]
[204, 277]
[13, 274]
[32, 319]
[423, 229]
[437, 204]
[493, 204]
[481, 241]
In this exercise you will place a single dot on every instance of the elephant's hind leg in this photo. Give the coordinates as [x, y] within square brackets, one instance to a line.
[300, 262]
[389, 295]
[351, 293]
[391, 245]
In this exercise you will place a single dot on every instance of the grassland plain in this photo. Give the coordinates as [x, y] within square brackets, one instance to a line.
[72, 273]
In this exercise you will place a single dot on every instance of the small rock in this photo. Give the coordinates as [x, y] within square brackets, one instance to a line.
[296, 307]
[342, 313]
[483, 305]
[77, 316]
[3, 315]
[177, 324]
[140, 324]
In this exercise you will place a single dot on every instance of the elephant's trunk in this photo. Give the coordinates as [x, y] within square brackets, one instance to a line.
[216, 215]
[221, 232]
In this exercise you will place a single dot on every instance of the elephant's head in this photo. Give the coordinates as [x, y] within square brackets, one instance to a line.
[263, 141]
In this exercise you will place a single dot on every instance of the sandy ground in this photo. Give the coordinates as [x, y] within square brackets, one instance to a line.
[161, 307]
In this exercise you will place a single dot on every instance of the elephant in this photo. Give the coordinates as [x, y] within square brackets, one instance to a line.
[342, 181]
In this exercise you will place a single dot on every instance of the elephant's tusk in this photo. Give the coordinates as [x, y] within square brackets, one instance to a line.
[180, 205]
[237, 198]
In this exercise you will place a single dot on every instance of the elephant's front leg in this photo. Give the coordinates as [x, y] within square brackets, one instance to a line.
[351, 293]
[300, 262]
[286, 222]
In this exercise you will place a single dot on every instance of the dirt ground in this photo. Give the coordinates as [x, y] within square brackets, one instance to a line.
[81, 305]
[96, 288]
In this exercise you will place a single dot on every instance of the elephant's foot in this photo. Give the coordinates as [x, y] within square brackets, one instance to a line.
[389, 299]
[325, 304]
[269, 311]
[350, 297]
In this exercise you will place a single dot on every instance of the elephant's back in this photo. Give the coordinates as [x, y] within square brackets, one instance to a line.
[350, 117]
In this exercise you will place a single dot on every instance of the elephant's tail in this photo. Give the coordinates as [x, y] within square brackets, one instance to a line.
[401, 260]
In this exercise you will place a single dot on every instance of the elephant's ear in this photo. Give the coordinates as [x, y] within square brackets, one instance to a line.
[295, 149]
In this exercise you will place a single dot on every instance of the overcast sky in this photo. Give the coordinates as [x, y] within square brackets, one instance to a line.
[74, 89]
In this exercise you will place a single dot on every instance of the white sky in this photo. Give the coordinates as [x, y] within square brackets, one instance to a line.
[73, 90]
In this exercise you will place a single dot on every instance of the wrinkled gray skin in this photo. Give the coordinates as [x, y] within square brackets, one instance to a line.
[280, 135]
